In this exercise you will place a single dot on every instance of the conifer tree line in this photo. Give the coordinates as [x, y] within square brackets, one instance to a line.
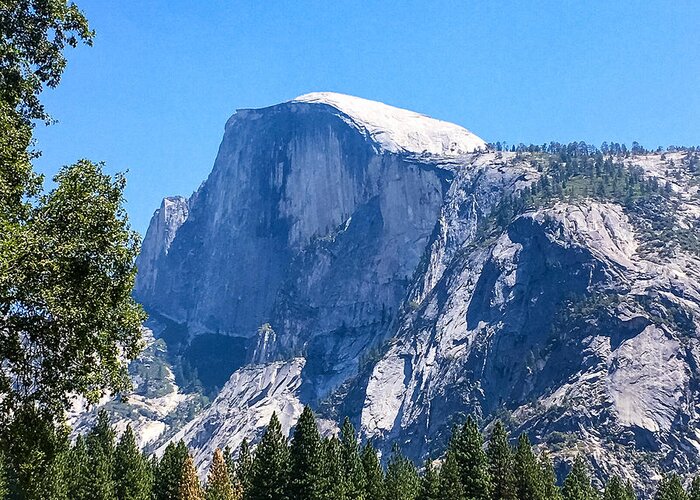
[98, 466]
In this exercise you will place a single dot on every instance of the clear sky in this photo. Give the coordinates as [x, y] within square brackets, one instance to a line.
[154, 92]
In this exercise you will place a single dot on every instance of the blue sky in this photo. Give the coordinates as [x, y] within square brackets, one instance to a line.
[154, 92]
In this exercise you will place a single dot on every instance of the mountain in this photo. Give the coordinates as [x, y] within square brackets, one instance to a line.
[377, 263]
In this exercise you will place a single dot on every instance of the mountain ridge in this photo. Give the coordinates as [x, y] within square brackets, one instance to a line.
[405, 288]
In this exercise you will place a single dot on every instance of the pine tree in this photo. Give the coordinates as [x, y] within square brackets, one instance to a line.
[218, 481]
[528, 476]
[670, 488]
[100, 448]
[467, 444]
[577, 485]
[236, 485]
[451, 479]
[401, 481]
[353, 472]
[3, 477]
[270, 475]
[54, 481]
[36, 458]
[615, 489]
[190, 488]
[333, 486]
[306, 481]
[230, 463]
[430, 482]
[548, 479]
[501, 464]
[694, 491]
[244, 468]
[78, 473]
[132, 472]
[166, 484]
[374, 476]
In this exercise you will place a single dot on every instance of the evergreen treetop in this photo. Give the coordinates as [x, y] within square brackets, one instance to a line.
[190, 487]
[169, 472]
[353, 471]
[374, 475]
[451, 478]
[401, 480]
[305, 479]
[577, 485]
[270, 474]
[132, 472]
[528, 472]
[467, 444]
[501, 464]
[670, 488]
[219, 485]
[430, 482]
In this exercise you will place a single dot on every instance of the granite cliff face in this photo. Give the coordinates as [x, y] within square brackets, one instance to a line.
[305, 235]
[363, 258]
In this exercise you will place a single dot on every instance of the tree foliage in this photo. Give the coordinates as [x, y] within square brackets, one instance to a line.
[132, 472]
[169, 471]
[670, 488]
[430, 482]
[467, 444]
[270, 474]
[402, 481]
[577, 485]
[68, 323]
[190, 487]
[615, 489]
[305, 479]
[374, 476]
[500, 458]
[219, 485]
[353, 472]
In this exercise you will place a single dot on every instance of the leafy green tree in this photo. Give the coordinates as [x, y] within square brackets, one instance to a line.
[577, 485]
[353, 471]
[615, 489]
[244, 467]
[100, 447]
[694, 491]
[166, 485]
[528, 476]
[548, 479]
[305, 479]
[270, 475]
[430, 482]
[219, 485]
[501, 464]
[401, 481]
[33, 37]
[467, 444]
[374, 476]
[75, 256]
[132, 472]
[190, 487]
[451, 478]
[69, 324]
[670, 488]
